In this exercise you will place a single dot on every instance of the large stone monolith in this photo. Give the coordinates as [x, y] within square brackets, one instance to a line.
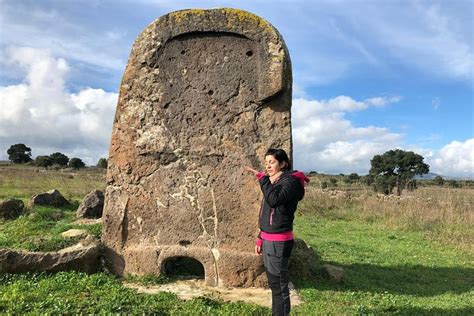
[205, 92]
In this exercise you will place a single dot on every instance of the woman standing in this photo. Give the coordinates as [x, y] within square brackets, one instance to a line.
[282, 189]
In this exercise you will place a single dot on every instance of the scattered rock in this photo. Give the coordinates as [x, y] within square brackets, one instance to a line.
[334, 272]
[72, 233]
[11, 208]
[84, 258]
[92, 205]
[52, 198]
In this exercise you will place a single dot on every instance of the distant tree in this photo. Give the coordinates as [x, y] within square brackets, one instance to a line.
[76, 163]
[102, 163]
[44, 161]
[439, 180]
[354, 177]
[384, 184]
[454, 184]
[19, 153]
[59, 159]
[395, 168]
[333, 181]
[368, 180]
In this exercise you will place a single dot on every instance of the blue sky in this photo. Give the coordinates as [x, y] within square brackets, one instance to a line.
[369, 76]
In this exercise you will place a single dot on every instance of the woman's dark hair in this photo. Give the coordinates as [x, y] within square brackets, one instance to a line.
[279, 155]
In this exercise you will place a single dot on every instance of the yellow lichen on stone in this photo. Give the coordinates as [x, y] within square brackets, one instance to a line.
[234, 15]
[185, 14]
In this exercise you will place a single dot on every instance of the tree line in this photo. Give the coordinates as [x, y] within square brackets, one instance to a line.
[393, 170]
[20, 153]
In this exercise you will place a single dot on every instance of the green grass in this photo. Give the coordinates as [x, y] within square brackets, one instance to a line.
[387, 271]
[40, 230]
[25, 181]
[74, 293]
[390, 269]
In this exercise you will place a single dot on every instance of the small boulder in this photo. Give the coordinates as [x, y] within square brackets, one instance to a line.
[74, 233]
[52, 198]
[304, 261]
[92, 205]
[334, 272]
[11, 208]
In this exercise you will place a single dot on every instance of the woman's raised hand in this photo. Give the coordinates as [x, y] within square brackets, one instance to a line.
[251, 170]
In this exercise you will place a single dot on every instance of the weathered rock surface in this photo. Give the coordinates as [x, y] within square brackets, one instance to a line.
[334, 272]
[11, 208]
[81, 257]
[92, 205]
[51, 198]
[205, 92]
[304, 261]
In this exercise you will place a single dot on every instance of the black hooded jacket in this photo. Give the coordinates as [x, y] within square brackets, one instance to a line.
[279, 203]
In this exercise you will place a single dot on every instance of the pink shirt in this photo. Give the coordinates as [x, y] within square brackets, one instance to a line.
[275, 237]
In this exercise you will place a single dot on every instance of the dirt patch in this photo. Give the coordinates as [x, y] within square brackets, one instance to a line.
[189, 289]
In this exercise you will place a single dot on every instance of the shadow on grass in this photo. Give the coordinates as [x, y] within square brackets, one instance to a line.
[424, 311]
[414, 280]
[73, 205]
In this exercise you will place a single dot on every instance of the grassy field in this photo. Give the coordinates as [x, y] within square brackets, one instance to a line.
[40, 229]
[409, 255]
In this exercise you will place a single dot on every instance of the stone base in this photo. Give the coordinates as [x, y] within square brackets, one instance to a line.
[84, 258]
[222, 267]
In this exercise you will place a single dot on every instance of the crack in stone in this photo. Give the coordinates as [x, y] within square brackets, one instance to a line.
[234, 94]
[215, 252]
[124, 223]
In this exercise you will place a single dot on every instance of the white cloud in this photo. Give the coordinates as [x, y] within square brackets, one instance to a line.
[41, 113]
[454, 159]
[436, 102]
[325, 141]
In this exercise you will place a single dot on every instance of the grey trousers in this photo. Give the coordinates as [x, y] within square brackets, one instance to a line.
[275, 259]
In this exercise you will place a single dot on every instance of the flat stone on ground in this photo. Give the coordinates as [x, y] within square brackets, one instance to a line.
[189, 289]
[74, 233]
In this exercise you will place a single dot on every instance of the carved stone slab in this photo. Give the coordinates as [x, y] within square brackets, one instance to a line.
[204, 93]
